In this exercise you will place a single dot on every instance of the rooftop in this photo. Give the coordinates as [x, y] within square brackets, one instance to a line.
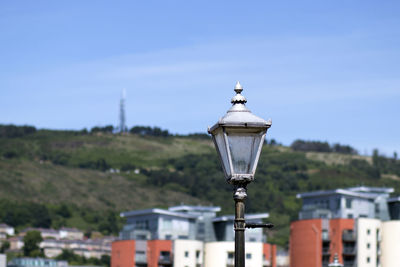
[187, 208]
[257, 216]
[360, 192]
[157, 211]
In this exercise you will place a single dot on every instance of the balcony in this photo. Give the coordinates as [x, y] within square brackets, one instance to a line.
[348, 236]
[326, 251]
[349, 251]
[349, 264]
[325, 237]
[140, 258]
[165, 260]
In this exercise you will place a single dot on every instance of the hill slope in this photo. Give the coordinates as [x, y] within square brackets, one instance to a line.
[100, 173]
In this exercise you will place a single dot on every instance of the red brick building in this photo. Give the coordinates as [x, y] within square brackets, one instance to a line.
[314, 242]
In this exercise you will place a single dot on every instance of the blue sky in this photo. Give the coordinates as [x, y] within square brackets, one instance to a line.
[322, 70]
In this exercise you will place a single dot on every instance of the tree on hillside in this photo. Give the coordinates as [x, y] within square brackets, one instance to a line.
[4, 246]
[31, 247]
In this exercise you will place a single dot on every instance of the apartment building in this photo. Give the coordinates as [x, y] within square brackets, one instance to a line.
[187, 236]
[359, 224]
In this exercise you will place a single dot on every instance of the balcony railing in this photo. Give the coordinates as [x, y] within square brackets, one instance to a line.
[326, 251]
[141, 258]
[348, 236]
[325, 237]
[349, 251]
[349, 264]
[165, 260]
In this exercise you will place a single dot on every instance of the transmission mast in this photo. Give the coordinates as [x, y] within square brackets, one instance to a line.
[122, 118]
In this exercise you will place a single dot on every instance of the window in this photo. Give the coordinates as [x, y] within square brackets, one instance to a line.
[167, 224]
[350, 216]
[182, 237]
[186, 254]
[168, 237]
[201, 228]
[368, 231]
[252, 239]
[140, 237]
[197, 254]
[377, 208]
[348, 203]
[144, 225]
[338, 203]
[248, 256]
[231, 255]
[368, 245]
[368, 259]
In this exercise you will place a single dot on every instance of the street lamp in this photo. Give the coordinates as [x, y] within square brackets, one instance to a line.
[238, 138]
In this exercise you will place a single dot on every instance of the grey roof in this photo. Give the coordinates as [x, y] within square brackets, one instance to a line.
[360, 192]
[42, 230]
[157, 211]
[368, 189]
[246, 216]
[195, 208]
[67, 229]
[394, 199]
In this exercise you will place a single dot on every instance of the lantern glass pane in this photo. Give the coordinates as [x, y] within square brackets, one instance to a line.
[222, 150]
[244, 151]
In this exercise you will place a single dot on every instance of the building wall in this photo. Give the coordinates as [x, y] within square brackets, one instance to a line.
[3, 260]
[175, 228]
[306, 243]
[269, 255]
[390, 244]
[216, 254]
[368, 232]
[154, 249]
[123, 253]
[336, 228]
[188, 253]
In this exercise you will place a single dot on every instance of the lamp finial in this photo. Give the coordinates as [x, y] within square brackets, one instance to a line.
[238, 98]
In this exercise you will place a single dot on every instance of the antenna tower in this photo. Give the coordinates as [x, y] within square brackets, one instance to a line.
[122, 125]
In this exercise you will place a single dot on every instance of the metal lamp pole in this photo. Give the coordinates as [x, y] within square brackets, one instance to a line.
[238, 138]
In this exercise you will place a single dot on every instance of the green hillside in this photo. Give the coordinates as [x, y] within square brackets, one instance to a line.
[81, 179]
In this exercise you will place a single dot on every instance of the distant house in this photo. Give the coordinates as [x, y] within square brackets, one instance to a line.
[70, 233]
[4, 228]
[16, 242]
[3, 260]
[90, 248]
[45, 233]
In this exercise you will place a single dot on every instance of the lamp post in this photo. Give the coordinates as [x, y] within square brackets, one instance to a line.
[238, 138]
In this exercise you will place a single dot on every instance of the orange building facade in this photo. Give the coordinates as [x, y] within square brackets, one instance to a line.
[129, 253]
[269, 253]
[159, 253]
[123, 253]
[314, 242]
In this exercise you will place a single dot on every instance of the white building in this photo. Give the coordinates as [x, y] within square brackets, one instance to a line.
[221, 254]
[4, 228]
[368, 242]
[390, 244]
[188, 253]
[3, 260]
[70, 233]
